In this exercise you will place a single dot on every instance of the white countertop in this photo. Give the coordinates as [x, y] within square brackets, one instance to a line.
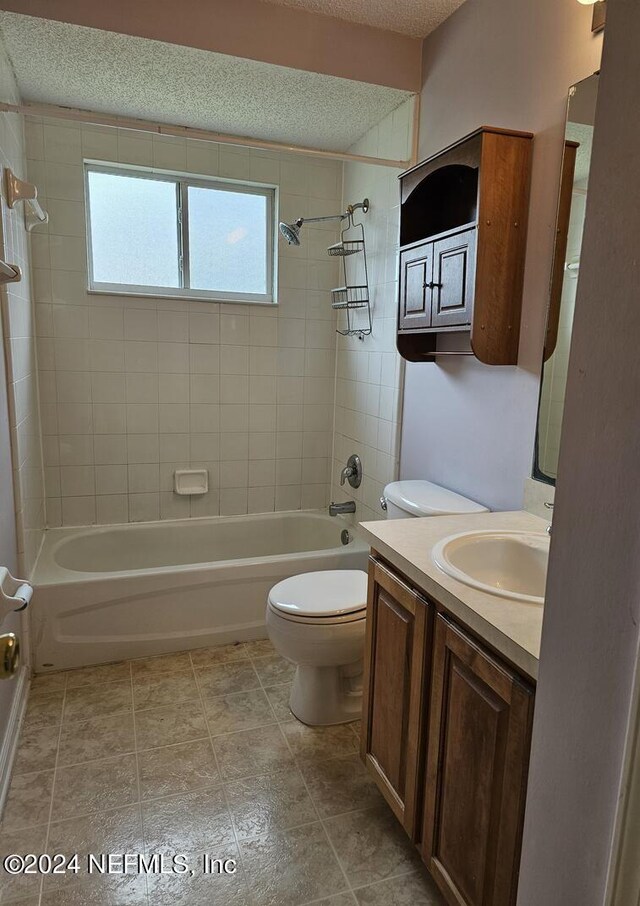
[512, 628]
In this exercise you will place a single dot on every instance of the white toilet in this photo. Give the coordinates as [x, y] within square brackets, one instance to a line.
[317, 620]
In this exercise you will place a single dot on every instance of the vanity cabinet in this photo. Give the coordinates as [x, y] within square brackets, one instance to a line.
[446, 735]
[463, 227]
[476, 773]
[398, 638]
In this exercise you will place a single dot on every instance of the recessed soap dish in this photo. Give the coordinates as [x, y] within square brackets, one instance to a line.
[189, 482]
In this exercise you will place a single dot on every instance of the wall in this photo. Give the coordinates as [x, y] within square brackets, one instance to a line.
[469, 426]
[19, 343]
[592, 613]
[133, 388]
[369, 371]
[21, 492]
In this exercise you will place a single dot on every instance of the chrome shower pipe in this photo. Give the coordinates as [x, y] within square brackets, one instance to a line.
[291, 231]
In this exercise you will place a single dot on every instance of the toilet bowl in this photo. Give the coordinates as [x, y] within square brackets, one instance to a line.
[317, 621]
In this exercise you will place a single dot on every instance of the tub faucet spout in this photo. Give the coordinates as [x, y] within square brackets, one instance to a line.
[339, 509]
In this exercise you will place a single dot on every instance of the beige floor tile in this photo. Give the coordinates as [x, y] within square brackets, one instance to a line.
[101, 673]
[252, 752]
[177, 769]
[101, 890]
[93, 701]
[291, 867]
[192, 824]
[30, 840]
[98, 737]
[240, 711]
[29, 800]
[340, 785]
[49, 682]
[113, 831]
[356, 727]
[44, 710]
[215, 889]
[270, 802]
[170, 725]
[259, 647]
[95, 787]
[372, 845]
[164, 663]
[317, 743]
[279, 697]
[223, 679]
[151, 692]
[218, 654]
[37, 750]
[411, 890]
[274, 669]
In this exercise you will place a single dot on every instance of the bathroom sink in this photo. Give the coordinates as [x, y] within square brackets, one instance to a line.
[508, 564]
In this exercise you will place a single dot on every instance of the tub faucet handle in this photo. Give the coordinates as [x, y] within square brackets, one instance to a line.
[352, 472]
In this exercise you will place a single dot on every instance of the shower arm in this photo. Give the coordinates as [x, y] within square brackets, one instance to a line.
[360, 205]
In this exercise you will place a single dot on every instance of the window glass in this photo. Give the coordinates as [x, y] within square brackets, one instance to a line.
[134, 230]
[227, 240]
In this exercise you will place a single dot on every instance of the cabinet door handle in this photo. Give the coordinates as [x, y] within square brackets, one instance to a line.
[432, 285]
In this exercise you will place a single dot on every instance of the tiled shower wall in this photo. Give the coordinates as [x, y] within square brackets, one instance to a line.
[18, 329]
[134, 388]
[369, 371]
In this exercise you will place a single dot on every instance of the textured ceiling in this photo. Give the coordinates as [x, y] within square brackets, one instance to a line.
[75, 66]
[409, 17]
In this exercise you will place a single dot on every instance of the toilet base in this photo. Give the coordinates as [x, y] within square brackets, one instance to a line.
[323, 696]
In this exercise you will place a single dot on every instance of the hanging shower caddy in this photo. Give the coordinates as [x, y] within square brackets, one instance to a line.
[353, 297]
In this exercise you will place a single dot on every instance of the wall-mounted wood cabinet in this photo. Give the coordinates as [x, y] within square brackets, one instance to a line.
[446, 735]
[463, 226]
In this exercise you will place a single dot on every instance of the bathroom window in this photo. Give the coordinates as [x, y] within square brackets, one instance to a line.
[170, 235]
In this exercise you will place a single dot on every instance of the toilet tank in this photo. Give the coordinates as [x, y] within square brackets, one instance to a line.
[423, 498]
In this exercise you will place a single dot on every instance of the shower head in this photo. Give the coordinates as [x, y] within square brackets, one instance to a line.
[291, 231]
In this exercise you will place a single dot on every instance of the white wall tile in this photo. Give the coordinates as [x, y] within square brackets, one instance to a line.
[131, 386]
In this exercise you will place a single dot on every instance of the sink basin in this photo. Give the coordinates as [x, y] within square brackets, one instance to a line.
[508, 564]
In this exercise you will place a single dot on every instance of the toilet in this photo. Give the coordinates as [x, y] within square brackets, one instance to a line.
[317, 620]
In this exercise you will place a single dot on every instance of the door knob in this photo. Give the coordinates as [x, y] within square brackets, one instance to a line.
[432, 285]
[9, 655]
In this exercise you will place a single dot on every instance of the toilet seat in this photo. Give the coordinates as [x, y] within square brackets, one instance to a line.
[327, 596]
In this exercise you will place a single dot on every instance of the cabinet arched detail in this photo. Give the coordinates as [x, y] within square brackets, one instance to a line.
[463, 227]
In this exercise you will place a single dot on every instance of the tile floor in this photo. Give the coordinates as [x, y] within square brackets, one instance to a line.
[191, 753]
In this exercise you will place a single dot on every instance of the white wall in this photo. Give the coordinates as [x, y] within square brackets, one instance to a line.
[592, 612]
[134, 388]
[369, 371]
[21, 490]
[466, 425]
[19, 342]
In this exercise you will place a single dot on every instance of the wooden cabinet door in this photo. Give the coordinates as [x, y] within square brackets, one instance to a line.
[454, 270]
[477, 761]
[415, 292]
[397, 655]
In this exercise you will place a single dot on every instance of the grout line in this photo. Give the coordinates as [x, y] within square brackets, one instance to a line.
[135, 750]
[317, 810]
[222, 786]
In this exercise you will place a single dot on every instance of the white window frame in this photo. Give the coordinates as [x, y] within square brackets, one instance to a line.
[182, 183]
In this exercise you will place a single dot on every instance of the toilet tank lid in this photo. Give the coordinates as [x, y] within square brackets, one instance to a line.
[423, 498]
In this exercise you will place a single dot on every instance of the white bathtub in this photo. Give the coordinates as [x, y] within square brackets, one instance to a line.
[106, 593]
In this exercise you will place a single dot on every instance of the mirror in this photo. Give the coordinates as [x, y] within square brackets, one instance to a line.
[564, 276]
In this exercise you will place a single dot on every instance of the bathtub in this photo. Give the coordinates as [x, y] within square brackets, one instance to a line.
[113, 592]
